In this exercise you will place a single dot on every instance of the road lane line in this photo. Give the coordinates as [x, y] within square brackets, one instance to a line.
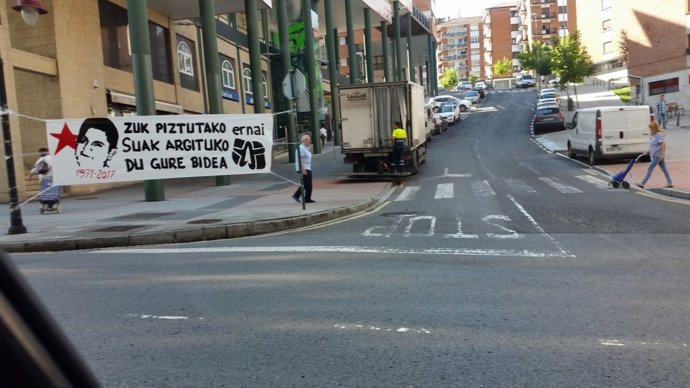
[539, 228]
[345, 249]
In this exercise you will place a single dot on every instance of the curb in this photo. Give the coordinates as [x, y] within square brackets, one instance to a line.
[207, 233]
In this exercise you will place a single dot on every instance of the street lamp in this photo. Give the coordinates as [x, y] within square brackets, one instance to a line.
[30, 9]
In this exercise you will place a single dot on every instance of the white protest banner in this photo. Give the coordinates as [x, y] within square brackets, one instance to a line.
[117, 149]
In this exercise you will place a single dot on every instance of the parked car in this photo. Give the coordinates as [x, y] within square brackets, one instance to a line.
[440, 100]
[480, 84]
[548, 90]
[465, 85]
[525, 81]
[609, 132]
[450, 112]
[549, 96]
[437, 124]
[472, 96]
[548, 117]
[480, 90]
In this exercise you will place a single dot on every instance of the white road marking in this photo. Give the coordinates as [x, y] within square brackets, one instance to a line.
[346, 326]
[563, 188]
[166, 317]
[600, 184]
[520, 185]
[407, 193]
[607, 342]
[345, 249]
[444, 190]
[482, 189]
[540, 229]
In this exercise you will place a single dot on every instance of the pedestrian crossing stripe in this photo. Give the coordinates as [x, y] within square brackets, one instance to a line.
[483, 188]
[444, 190]
[407, 193]
[563, 188]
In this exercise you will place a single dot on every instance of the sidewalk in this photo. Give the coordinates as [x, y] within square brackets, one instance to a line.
[677, 153]
[195, 209]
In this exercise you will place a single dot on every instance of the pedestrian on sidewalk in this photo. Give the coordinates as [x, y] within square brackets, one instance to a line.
[49, 195]
[661, 110]
[657, 153]
[324, 134]
[303, 167]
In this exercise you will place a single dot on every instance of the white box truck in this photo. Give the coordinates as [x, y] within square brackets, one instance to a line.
[368, 113]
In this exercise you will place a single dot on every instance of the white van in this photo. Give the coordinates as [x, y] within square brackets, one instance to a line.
[609, 132]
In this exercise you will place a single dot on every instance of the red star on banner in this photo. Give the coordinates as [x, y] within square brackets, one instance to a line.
[65, 139]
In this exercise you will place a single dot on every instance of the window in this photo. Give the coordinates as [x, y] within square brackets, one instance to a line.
[116, 43]
[228, 74]
[664, 86]
[247, 81]
[184, 59]
[186, 63]
[606, 25]
[265, 86]
[608, 47]
[343, 40]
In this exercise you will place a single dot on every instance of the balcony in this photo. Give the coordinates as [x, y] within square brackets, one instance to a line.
[542, 2]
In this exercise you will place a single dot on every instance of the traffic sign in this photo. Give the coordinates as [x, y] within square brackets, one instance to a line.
[294, 84]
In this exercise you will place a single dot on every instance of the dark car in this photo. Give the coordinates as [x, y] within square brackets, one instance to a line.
[548, 117]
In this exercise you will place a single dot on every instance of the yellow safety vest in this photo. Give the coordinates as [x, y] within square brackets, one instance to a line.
[399, 134]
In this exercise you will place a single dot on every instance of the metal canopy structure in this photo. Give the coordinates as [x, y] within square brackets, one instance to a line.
[187, 9]
[382, 10]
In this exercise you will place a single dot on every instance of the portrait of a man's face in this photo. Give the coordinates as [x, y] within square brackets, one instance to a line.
[96, 143]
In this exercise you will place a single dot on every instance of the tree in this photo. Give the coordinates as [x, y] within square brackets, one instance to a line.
[570, 60]
[503, 67]
[624, 47]
[450, 78]
[537, 57]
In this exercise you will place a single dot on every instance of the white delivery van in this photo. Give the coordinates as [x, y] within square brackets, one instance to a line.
[609, 132]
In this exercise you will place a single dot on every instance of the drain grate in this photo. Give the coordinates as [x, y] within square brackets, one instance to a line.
[205, 221]
[119, 228]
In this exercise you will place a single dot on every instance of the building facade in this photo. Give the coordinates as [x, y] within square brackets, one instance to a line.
[461, 44]
[502, 37]
[632, 42]
[78, 64]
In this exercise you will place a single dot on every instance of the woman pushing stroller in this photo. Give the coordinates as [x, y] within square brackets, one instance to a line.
[49, 195]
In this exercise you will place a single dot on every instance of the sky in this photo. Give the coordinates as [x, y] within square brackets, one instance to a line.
[450, 8]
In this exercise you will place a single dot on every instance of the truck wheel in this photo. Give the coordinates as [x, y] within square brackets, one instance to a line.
[463, 108]
[415, 162]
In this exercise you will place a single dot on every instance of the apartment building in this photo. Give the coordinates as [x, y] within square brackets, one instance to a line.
[461, 44]
[502, 36]
[546, 20]
[637, 42]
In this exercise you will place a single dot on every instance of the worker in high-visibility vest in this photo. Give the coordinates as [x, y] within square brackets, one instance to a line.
[399, 139]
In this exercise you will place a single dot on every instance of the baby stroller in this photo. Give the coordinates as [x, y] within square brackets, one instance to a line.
[49, 196]
[618, 180]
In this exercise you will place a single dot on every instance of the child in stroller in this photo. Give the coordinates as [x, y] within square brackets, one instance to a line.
[49, 195]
